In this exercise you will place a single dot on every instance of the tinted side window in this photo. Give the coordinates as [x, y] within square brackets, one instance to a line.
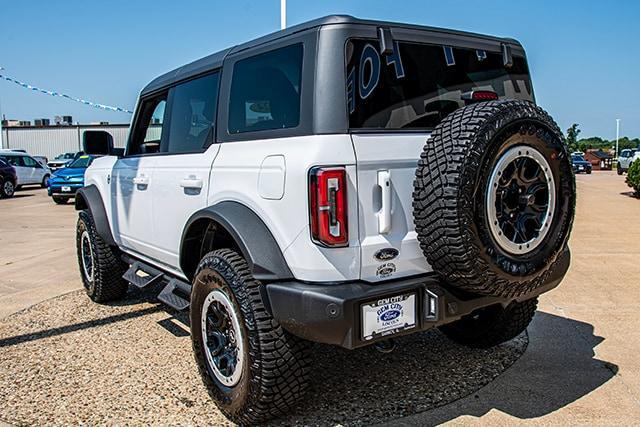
[265, 91]
[193, 115]
[148, 128]
[29, 162]
[14, 160]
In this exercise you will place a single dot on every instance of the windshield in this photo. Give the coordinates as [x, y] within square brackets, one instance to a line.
[418, 85]
[81, 162]
[65, 156]
[578, 158]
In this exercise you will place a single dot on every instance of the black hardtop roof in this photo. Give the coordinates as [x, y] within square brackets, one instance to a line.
[215, 60]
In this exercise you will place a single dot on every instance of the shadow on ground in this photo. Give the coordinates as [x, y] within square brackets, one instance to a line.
[557, 369]
[358, 387]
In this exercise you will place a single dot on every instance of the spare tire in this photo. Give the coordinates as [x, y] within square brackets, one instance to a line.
[494, 198]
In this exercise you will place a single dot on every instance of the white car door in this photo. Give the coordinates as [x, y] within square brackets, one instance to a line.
[181, 173]
[131, 204]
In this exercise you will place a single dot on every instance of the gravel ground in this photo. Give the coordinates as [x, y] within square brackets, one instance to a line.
[68, 361]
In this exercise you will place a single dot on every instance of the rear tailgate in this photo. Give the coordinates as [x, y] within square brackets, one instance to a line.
[394, 100]
[385, 211]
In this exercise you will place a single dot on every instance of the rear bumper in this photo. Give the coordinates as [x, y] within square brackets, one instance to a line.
[330, 314]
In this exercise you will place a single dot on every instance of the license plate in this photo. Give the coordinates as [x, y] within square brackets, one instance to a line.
[66, 189]
[580, 167]
[388, 316]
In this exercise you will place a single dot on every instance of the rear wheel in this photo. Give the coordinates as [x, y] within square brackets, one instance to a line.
[60, 200]
[100, 265]
[494, 198]
[619, 169]
[493, 325]
[7, 189]
[253, 369]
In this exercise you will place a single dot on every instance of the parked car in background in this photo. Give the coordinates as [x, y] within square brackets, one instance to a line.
[579, 164]
[61, 160]
[29, 170]
[42, 159]
[625, 159]
[8, 179]
[66, 181]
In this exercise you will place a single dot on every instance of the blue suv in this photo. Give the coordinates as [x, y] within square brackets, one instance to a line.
[64, 182]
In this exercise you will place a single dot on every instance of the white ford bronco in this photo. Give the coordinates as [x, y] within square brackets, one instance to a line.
[342, 182]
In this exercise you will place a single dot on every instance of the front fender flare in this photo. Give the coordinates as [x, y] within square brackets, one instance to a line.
[89, 198]
[258, 246]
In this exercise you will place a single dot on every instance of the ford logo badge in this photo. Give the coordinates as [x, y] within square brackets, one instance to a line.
[386, 254]
[389, 315]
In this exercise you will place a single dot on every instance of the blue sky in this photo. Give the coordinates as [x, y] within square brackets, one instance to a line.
[584, 55]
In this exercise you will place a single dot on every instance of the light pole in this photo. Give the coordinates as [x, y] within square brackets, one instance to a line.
[617, 135]
[283, 14]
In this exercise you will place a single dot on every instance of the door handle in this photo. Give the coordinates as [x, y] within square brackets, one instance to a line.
[191, 182]
[384, 214]
[141, 180]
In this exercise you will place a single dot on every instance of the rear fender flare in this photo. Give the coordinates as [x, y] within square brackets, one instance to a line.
[252, 237]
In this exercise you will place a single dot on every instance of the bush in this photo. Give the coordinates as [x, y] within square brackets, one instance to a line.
[633, 177]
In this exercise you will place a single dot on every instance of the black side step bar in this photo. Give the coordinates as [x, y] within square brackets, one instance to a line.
[176, 293]
[141, 275]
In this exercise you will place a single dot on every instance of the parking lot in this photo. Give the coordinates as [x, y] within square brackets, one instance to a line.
[65, 361]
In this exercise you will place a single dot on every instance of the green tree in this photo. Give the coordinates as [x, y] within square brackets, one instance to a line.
[633, 177]
[572, 137]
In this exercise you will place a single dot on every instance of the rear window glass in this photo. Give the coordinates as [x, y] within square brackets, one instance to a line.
[265, 91]
[418, 85]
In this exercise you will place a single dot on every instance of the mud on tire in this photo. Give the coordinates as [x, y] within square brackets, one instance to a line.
[459, 236]
[275, 365]
[100, 265]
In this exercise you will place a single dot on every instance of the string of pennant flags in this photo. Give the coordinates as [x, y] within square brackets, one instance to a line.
[62, 95]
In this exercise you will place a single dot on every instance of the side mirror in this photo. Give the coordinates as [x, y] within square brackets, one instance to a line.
[97, 142]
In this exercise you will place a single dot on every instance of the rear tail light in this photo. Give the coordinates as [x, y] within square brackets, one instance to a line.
[328, 206]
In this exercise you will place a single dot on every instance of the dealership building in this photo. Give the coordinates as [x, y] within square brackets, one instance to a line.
[43, 139]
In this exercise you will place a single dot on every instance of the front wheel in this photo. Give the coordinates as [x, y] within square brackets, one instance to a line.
[100, 265]
[59, 200]
[619, 169]
[252, 368]
[45, 181]
[493, 325]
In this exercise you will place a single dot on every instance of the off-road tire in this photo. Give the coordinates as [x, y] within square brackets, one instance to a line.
[276, 364]
[108, 268]
[493, 325]
[449, 197]
[58, 200]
